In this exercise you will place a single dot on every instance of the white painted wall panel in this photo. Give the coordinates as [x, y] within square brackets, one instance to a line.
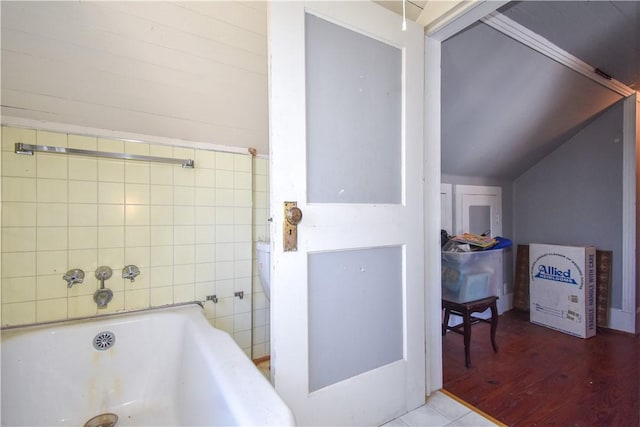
[130, 53]
[246, 15]
[117, 74]
[193, 71]
[106, 30]
[217, 106]
[174, 16]
[60, 110]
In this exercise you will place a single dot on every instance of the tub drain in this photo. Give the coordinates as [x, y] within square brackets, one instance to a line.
[104, 340]
[102, 420]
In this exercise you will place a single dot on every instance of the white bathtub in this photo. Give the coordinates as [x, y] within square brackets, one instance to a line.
[166, 367]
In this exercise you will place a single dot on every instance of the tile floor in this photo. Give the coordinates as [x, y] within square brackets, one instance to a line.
[439, 411]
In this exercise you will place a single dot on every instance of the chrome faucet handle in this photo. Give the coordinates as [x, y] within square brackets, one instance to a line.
[130, 272]
[73, 276]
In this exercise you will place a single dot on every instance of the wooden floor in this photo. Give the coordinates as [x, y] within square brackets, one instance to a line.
[546, 378]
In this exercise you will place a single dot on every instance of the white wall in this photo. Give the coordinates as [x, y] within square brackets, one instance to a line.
[194, 71]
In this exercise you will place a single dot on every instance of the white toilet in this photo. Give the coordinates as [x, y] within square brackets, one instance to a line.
[263, 255]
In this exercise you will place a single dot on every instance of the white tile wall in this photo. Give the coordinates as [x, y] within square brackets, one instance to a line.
[188, 230]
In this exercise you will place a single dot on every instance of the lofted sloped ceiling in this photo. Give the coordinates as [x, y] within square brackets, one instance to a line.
[506, 106]
[605, 34]
[194, 71]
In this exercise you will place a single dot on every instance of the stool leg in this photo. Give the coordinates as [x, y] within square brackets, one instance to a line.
[445, 322]
[467, 338]
[494, 325]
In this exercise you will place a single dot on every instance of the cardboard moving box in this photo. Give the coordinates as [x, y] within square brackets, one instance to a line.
[563, 288]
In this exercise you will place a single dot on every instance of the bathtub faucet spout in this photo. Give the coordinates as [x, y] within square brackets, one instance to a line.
[103, 297]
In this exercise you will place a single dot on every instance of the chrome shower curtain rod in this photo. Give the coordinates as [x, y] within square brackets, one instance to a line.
[29, 149]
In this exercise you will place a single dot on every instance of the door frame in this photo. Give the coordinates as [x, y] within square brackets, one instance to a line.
[627, 318]
[437, 30]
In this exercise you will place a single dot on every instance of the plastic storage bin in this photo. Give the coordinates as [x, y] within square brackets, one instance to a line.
[470, 276]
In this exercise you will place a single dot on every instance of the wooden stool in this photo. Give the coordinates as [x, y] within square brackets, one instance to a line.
[465, 309]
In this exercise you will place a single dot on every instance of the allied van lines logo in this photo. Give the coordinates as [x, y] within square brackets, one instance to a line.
[550, 272]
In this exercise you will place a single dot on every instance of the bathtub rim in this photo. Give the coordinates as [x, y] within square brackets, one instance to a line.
[14, 328]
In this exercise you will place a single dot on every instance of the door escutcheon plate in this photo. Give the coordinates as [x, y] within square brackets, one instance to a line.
[292, 216]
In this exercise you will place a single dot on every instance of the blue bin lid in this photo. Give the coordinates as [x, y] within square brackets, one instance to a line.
[502, 243]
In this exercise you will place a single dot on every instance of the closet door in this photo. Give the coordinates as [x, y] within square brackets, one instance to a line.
[478, 210]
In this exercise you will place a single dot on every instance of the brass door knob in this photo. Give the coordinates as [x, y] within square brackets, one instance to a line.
[294, 215]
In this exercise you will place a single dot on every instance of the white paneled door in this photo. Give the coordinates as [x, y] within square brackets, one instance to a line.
[347, 306]
[478, 210]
